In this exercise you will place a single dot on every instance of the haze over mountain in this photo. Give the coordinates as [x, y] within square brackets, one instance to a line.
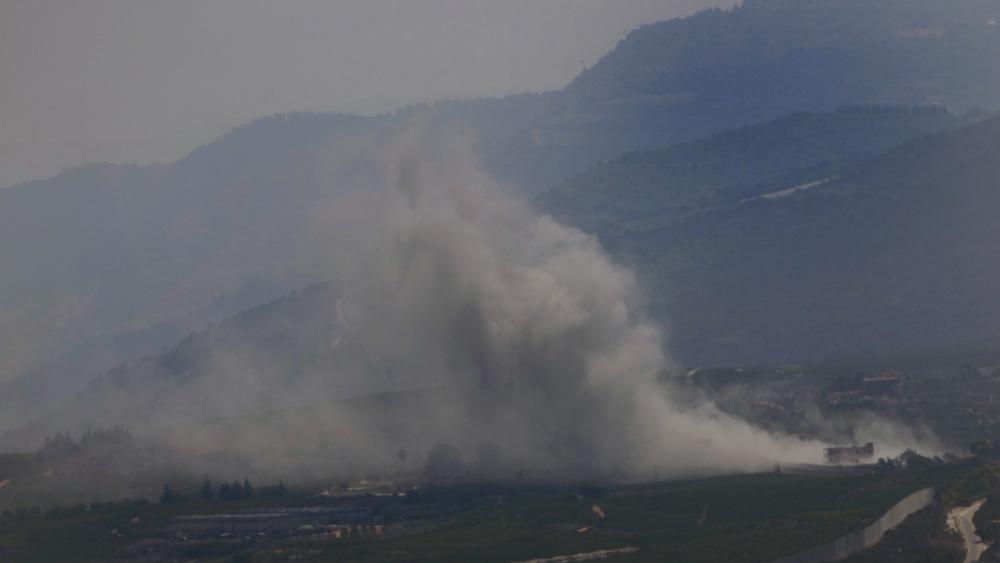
[818, 273]
[894, 255]
[108, 262]
[728, 296]
[683, 79]
[146, 81]
[451, 281]
[650, 189]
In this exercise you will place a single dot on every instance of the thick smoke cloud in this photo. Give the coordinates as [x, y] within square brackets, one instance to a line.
[543, 335]
[508, 335]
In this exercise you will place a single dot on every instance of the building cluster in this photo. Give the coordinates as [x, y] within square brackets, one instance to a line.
[884, 388]
[314, 522]
[846, 455]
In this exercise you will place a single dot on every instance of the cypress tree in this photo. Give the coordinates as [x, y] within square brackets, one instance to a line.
[207, 492]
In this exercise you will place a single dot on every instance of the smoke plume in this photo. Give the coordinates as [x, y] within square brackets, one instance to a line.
[509, 336]
[466, 286]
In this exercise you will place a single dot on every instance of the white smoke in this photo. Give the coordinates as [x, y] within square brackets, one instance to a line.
[512, 336]
[465, 285]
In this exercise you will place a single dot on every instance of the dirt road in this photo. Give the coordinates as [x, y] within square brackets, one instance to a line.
[960, 520]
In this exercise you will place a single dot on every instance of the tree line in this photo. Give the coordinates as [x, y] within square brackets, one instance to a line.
[227, 491]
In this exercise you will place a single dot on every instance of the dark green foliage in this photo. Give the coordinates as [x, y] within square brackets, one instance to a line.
[982, 482]
[877, 261]
[737, 519]
[653, 189]
[207, 491]
[921, 538]
[168, 495]
[235, 490]
[593, 492]
[273, 491]
[742, 519]
[58, 447]
[987, 519]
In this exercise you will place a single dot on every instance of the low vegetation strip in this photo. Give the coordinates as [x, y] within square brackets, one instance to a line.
[590, 556]
[868, 537]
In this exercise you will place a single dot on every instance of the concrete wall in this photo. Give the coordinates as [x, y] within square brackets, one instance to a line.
[867, 537]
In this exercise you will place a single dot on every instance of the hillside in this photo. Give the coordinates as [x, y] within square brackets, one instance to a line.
[651, 189]
[106, 263]
[291, 352]
[896, 255]
[818, 274]
[684, 79]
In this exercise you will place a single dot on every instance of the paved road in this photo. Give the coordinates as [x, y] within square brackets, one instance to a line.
[961, 519]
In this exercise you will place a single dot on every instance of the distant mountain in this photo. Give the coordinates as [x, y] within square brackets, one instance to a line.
[684, 79]
[892, 254]
[294, 353]
[652, 189]
[105, 263]
[896, 255]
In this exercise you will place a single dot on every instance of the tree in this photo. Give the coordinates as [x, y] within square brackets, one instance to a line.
[247, 488]
[224, 492]
[207, 492]
[269, 491]
[168, 496]
[402, 459]
[236, 490]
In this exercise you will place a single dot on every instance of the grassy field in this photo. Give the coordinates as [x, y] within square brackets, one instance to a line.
[727, 520]
[923, 537]
[735, 519]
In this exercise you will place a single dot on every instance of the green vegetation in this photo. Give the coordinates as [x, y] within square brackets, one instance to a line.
[987, 522]
[734, 519]
[877, 261]
[922, 538]
[94, 531]
[726, 519]
[966, 489]
[648, 190]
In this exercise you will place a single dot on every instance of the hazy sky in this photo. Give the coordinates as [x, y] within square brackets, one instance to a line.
[141, 80]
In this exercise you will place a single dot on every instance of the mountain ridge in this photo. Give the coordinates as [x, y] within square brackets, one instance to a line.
[110, 262]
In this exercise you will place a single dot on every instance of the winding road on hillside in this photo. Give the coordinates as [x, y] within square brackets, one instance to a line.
[960, 519]
[343, 322]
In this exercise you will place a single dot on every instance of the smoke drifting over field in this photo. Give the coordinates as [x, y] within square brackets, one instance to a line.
[512, 337]
[540, 331]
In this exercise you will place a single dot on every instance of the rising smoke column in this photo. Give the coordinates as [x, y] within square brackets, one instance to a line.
[542, 333]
